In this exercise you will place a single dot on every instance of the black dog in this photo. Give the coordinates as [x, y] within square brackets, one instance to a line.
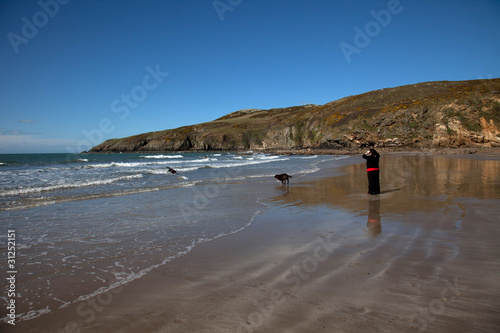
[283, 178]
[171, 170]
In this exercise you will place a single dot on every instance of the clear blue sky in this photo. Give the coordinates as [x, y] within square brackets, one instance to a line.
[74, 73]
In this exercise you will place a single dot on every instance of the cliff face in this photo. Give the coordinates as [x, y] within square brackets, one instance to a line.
[433, 114]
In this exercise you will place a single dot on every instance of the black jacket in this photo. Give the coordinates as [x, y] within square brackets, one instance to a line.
[372, 159]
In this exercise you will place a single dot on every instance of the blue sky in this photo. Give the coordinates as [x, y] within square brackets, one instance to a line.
[74, 73]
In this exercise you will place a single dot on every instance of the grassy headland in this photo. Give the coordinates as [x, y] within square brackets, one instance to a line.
[445, 114]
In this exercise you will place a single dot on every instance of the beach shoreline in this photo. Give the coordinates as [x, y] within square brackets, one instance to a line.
[329, 151]
[323, 256]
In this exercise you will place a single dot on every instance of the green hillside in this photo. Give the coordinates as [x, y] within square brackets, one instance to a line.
[431, 114]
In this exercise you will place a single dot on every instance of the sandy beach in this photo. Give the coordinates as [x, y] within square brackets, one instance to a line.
[322, 256]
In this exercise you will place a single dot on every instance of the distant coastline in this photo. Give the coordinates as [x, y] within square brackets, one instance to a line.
[320, 151]
[424, 116]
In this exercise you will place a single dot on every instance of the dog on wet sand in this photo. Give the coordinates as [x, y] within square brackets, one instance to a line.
[283, 178]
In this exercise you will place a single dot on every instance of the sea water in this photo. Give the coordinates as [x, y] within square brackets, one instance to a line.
[88, 223]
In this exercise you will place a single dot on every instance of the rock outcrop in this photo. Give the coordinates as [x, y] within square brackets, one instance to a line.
[433, 114]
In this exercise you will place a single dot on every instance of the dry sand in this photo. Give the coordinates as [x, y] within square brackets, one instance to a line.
[325, 257]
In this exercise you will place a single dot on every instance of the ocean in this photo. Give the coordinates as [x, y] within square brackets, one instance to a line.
[85, 224]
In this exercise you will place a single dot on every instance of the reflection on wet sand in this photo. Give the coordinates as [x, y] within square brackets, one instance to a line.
[440, 234]
[373, 224]
[436, 175]
[408, 184]
[440, 217]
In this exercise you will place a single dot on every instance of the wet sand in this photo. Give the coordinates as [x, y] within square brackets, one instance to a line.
[325, 257]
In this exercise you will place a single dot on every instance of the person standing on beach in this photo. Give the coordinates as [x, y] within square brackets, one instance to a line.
[372, 157]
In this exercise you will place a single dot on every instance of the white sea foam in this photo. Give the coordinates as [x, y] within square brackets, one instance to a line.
[38, 189]
[203, 160]
[266, 157]
[258, 158]
[247, 162]
[162, 156]
[66, 258]
[33, 314]
[123, 277]
[187, 169]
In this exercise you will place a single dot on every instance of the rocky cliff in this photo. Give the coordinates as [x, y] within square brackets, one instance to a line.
[424, 115]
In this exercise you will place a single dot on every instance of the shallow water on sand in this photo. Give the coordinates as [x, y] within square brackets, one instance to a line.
[422, 256]
[86, 224]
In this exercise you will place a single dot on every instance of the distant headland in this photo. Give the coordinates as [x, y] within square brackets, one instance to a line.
[444, 114]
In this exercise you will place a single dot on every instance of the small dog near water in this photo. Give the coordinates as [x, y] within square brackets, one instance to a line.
[283, 178]
[172, 170]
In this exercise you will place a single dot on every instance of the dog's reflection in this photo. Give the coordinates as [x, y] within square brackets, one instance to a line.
[373, 224]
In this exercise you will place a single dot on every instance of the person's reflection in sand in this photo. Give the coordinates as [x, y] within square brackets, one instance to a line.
[373, 224]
